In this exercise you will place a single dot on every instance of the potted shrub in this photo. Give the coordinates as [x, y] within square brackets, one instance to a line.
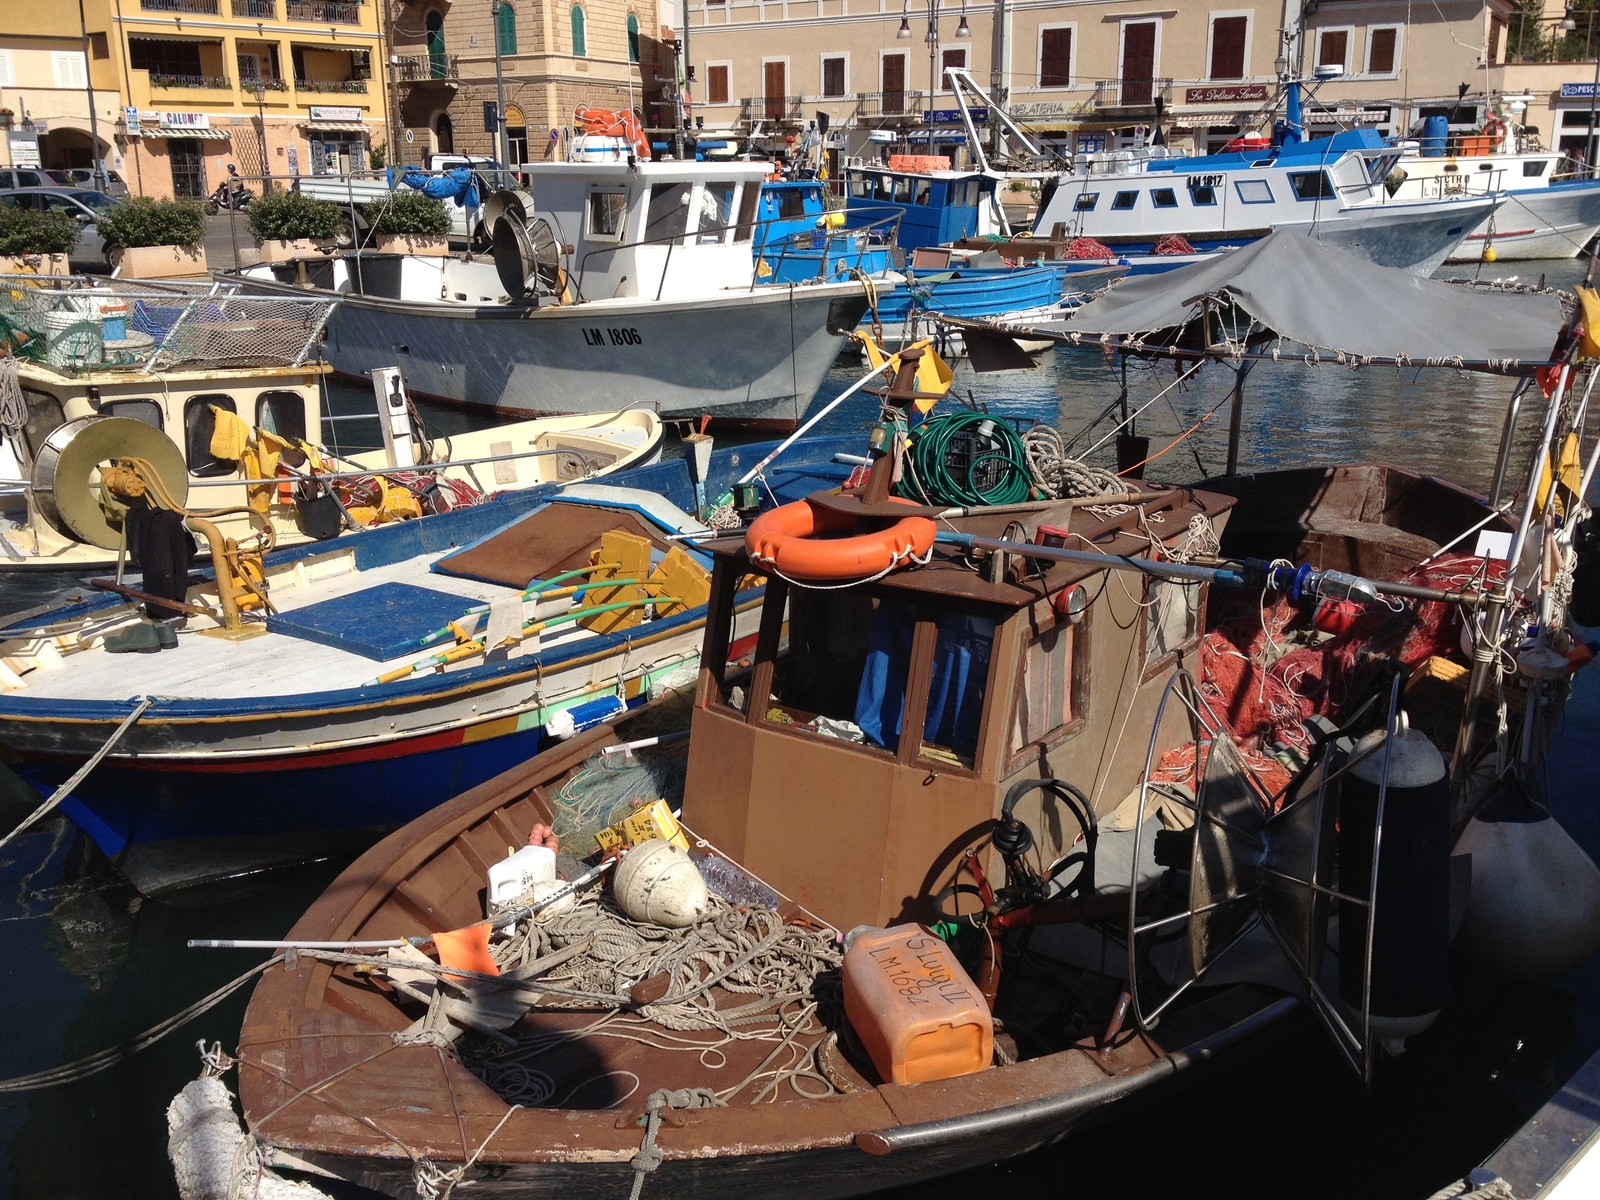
[407, 222]
[35, 243]
[155, 239]
[288, 225]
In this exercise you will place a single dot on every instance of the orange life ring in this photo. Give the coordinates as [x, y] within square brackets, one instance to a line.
[1495, 127]
[792, 541]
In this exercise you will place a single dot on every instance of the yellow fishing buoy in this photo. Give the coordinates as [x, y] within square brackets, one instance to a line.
[1489, 255]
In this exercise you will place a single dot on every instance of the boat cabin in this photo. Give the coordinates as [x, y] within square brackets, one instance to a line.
[796, 243]
[935, 208]
[872, 732]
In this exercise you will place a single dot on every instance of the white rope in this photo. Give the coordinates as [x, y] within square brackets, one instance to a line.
[13, 409]
[78, 776]
[1061, 475]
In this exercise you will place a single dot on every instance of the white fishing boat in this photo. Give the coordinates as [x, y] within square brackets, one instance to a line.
[107, 372]
[631, 280]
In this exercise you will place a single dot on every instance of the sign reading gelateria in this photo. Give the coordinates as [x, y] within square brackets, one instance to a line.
[1244, 93]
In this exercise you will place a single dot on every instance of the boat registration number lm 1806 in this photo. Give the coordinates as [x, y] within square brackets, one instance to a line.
[1205, 181]
[612, 337]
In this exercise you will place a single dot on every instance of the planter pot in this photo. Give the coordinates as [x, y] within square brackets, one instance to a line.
[432, 244]
[278, 250]
[34, 264]
[158, 262]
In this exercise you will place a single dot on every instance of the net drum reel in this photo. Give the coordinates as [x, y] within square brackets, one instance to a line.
[1250, 864]
[65, 479]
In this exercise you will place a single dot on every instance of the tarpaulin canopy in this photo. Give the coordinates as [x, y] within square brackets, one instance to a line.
[1294, 288]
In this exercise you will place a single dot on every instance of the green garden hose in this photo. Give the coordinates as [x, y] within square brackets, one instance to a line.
[967, 458]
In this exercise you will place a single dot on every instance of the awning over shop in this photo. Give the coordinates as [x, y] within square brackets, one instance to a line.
[334, 126]
[181, 131]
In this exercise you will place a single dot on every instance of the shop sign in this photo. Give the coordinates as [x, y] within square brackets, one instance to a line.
[1577, 91]
[340, 113]
[1043, 108]
[130, 117]
[951, 116]
[1244, 93]
[24, 147]
[186, 120]
[1091, 143]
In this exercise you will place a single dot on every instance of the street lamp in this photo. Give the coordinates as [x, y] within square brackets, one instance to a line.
[260, 93]
[931, 38]
[503, 151]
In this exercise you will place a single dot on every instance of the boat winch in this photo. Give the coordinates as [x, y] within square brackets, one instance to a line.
[67, 485]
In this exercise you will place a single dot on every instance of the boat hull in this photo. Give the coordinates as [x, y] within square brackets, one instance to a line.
[751, 357]
[1553, 222]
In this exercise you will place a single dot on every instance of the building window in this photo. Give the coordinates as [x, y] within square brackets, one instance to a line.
[833, 77]
[516, 137]
[717, 84]
[99, 45]
[505, 27]
[436, 60]
[8, 77]
[1138, 77]
[1055, 57]
[1333, 48]
[580, 45]
[951, 58]
[633, 38]
[893, 84]
[1497, 33]
[775, 90]
[1383, 46]
[444, 131]
[1227, 47]
[70, 69]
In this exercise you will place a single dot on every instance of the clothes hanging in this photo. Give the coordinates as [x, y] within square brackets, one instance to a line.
[161, 548]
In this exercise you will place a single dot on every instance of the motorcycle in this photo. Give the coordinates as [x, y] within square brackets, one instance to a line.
[237, 197]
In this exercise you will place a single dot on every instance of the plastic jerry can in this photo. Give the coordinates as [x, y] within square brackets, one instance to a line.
[917, 1012]
[512, 878]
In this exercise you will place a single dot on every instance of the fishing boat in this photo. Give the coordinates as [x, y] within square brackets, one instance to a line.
[1546, 214]
[1332, 189]
[106, 371]
[344, 687]
[634, 279]
[985, 837]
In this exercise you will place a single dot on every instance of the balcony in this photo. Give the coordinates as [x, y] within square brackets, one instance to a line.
[426, 68]
[1132, 99]
[256, 10]
[214, 82]
[331, 85]
[325, 12]
[891, 104]
[212, 7]
[1531, 38]
[770, 108]
[272, 85]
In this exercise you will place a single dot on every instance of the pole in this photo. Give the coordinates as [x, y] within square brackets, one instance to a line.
[385, 41]
[88, 88]
[827, 408]
[679, 87]
[999, 71]
[261, 135]
[1236, 418]
[502, 150]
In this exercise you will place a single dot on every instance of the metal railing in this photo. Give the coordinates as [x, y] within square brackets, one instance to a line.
[219, 82]
[271, 84]
[340, 12]
[330, 85]
[890, 104]
[1130, 93]
[423, 68]
[770, 108]
[183, 6]
[265, 10]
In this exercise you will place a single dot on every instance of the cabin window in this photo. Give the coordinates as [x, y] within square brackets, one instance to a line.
[1124, 200]
[1086, 202]
[1532, 170]
[716, 212]
[886, 188]
[147, 411]
[199, 423]
[44, 418]
[1311, 185]
[1164, 198]
[861, 188]
[282, 413]
[956, 689]
[668, 217]
[1203, 194]
[964, 194]
[749, 202]
[845, 673]
[1045, 702]
[1171, 620]
[922, 190]
[902, 189]
[791, 203]
[608, 213]
[1253, 191]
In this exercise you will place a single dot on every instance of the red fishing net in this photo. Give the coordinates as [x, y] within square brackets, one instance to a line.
[1088, 247]
[1173, 243]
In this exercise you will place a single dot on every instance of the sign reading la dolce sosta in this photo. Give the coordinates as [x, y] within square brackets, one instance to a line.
[1244, 93]
[322, 112]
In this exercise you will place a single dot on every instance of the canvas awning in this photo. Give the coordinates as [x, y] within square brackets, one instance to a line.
[1288, 287]
[334, 126]
[181, 131]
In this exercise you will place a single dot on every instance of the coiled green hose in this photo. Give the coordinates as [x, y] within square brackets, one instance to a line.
[967, 458]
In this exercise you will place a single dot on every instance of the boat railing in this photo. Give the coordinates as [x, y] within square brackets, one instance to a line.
[706, 236]
[859, 240]
[71, 324]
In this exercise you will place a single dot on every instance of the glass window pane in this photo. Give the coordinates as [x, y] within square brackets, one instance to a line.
[44, 418]
[749, 200]
[199, 423]
[147, 411]
[668, 217]
[608, 212]
[282, 413]
[956, 689]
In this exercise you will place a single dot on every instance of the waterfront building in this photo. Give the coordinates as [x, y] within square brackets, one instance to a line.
[50, 82]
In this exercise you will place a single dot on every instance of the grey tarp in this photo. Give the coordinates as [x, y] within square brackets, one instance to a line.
[1325, 298]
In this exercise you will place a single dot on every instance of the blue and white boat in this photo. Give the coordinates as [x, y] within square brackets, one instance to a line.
[1332, 188]
[797, 238]
[346, 712]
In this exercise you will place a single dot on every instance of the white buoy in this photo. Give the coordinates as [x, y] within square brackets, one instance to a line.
[1535, 906]
[209, 1158]
[659, 883]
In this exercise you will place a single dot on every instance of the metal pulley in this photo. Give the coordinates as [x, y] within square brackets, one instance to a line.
[66, 486]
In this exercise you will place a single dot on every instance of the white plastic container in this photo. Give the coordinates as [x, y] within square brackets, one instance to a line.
[513, 878]
[597, 147]
[73, 340]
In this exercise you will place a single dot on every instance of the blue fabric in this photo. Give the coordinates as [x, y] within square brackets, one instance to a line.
[455, 184]
[955, 692]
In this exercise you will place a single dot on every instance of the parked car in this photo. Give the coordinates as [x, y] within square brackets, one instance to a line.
[83, 177]
[83, 206]
[32, 177]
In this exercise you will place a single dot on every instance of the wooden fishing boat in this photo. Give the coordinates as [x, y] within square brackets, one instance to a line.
[110, 370]
[890, 750]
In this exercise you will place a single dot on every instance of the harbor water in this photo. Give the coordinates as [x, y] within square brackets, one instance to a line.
[86, 964]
